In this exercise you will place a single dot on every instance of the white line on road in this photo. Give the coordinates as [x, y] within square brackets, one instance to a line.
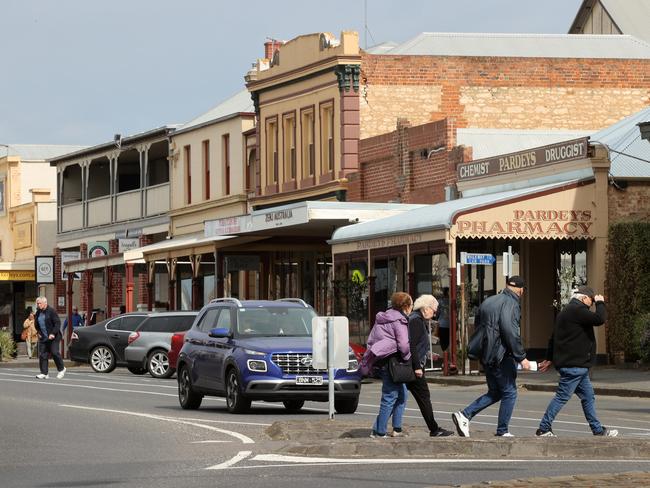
[226, 464]
[207, 442]
[241, 437]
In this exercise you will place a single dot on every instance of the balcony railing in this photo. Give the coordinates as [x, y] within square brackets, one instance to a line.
[128, 205]
[71, 217]
[99, 211]
[157, 199]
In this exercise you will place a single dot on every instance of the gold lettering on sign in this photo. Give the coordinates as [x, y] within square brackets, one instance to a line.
[533, 223]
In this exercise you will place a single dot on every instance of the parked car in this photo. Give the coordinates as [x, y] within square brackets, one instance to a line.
[177, 341]
[102, 345]
[259, 350]
[149, 344]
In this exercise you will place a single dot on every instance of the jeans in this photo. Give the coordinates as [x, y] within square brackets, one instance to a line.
[573, 380]
[502, 386]
[393, 403]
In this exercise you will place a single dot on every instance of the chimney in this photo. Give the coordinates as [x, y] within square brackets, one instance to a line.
[270, 47]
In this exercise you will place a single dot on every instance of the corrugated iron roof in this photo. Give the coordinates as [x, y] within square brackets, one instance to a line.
[428, 217]
[486, 143]
[37, 152]
[240, 102]
[524, 45]
[625, 137]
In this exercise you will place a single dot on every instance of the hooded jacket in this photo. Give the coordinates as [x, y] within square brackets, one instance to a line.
[501, 315]
[388, 336]
[573, 343]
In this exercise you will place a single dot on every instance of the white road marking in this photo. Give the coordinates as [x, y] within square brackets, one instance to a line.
[207, 442]
[226, 464]
[241, 437]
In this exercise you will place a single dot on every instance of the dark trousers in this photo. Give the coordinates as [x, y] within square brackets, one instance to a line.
[45, 348]
[420, 391]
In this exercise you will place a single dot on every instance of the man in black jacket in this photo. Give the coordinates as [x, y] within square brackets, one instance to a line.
[502, 350]
[48, 326]
[573, 350]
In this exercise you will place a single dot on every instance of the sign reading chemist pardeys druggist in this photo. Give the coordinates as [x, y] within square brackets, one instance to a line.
[524, 160]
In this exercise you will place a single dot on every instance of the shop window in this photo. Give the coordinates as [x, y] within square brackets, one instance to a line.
[571, 270]
[187, 156]
[205, 145]
[390, 277]
[327, 137]
[307, 141]
[272, 151]
[225, 148]
[289, 146]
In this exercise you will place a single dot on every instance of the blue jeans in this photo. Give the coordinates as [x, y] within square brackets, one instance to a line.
[502, 386]
[393, 403]
[573, 380]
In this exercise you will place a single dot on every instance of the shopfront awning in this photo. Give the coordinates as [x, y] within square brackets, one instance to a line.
[184, 246]
[549, 211]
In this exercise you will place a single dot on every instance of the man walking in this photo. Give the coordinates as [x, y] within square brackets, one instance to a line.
[48, 326]
[502, 350]
[573, 349]
[77, 320]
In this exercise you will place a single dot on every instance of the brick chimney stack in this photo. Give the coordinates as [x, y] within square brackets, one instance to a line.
[270, 47]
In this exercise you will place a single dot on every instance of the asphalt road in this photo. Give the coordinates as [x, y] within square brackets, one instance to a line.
[121, 430]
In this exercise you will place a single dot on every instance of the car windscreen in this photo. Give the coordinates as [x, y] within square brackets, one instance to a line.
[275, 321]
[167, 323]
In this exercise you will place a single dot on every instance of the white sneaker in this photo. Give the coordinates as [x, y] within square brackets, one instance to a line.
[42, 376]
[461, 423]
[507, 434]
[61, 374]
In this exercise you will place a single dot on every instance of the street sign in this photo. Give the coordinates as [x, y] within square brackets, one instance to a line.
[477, 258]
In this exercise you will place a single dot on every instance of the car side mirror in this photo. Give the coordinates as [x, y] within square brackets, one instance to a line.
[219, 332]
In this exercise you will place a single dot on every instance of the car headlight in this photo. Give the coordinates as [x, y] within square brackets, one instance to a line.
[256, 365]
[250, 352]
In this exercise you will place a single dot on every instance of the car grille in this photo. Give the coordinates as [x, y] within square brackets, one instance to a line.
[295, 363]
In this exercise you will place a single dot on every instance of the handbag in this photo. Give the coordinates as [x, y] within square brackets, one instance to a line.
[23, 335]
[475, 344]
[400, 372]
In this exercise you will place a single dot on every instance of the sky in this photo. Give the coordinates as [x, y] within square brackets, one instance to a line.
[79, 71]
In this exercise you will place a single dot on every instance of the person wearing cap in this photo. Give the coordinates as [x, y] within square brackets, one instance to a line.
[502, 350]
[572, 348]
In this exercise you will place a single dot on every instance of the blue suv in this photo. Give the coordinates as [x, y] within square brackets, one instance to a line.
[258, 350]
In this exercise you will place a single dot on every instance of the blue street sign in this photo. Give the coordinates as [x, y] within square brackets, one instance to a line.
[477, 258]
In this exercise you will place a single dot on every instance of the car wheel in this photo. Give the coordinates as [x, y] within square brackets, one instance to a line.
[293, 405]
[235, 401]
[137, 371]
[158, 364]
[346, 405]
[187, 397]
[102, 359]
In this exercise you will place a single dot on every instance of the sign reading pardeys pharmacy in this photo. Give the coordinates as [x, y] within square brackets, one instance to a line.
[524, 160]
[531, 223]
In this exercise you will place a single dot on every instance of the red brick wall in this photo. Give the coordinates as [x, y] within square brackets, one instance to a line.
[395, 166]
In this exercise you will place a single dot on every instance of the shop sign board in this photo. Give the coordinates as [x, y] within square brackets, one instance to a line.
[225, 226]
[524, 160]
[97, 249]
[127, 244]
[17, 275]
[285, 217]
[69, 256]
[44, 266]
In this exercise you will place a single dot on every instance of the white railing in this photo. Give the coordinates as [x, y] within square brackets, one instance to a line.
[157, 199]
[99, 211]
[128, 206]
[71, 217]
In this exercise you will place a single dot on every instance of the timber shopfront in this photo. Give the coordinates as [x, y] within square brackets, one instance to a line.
[543, 212]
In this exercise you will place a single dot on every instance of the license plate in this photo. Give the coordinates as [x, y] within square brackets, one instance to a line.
[309, 380]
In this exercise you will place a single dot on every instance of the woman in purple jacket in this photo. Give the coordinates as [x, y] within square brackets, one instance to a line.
[390, 337]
